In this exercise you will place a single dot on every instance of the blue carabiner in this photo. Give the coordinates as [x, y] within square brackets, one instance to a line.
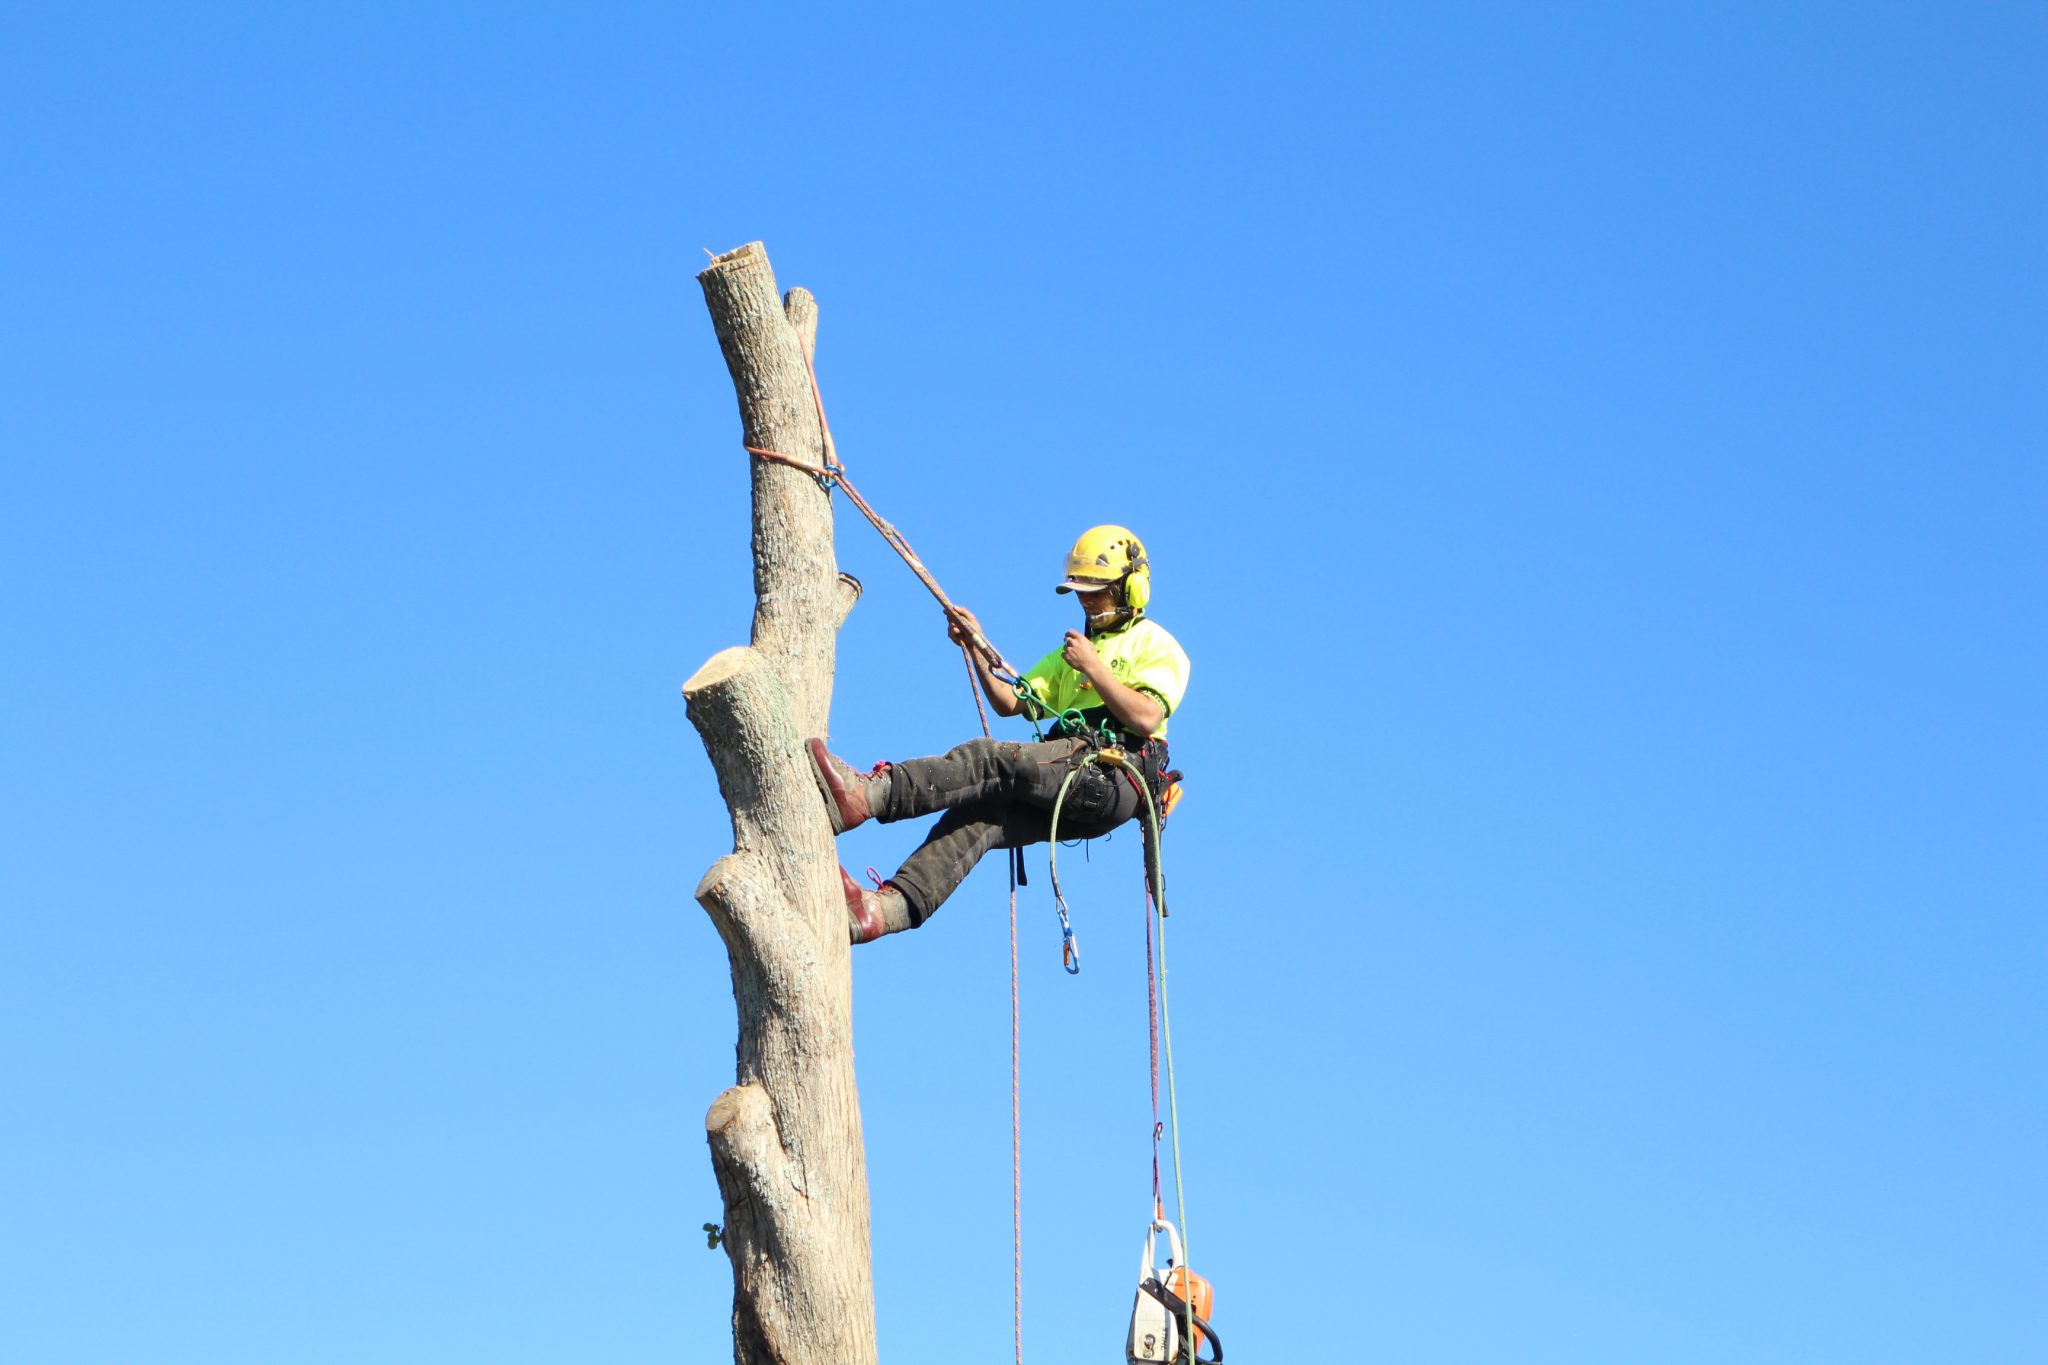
[1070, 945]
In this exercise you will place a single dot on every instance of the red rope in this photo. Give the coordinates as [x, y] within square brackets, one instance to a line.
[1016, 1087]
[974, 690]
[1152, 1024]
[1016, 1129]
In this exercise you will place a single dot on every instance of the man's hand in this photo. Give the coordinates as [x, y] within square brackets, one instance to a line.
[1138, 712]
[1081, 656]
[961, 628]
[960, 623]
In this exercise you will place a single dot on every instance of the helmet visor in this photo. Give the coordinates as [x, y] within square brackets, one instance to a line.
[1087, 585]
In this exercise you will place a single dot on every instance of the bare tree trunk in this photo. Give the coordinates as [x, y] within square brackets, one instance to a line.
[785, 1139]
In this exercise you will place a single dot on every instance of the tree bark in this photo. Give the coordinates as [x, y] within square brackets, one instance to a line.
[786, 1138]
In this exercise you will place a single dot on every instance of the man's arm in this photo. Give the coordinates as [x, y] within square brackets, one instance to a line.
[1139, 712]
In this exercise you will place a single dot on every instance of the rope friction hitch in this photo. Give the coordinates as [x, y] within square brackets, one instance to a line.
[1169, 1322]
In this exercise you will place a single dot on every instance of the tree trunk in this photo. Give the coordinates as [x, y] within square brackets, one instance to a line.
[785, 1139]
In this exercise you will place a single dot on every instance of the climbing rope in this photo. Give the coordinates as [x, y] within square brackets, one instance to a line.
[1180, 1197]
[1159, 1018]
[830, 474]
[1016, 1086]
[1016, 1130]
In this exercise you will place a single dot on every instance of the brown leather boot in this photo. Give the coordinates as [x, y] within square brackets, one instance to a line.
[871, 914]
[845, 791]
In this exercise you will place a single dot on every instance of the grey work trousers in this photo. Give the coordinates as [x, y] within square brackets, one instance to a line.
[997, 794]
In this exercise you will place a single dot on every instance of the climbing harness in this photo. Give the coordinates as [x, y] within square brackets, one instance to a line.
[1170, 1315]
[1113, 755]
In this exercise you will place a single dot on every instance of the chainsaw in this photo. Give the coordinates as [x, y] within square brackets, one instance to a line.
[1169, 1319]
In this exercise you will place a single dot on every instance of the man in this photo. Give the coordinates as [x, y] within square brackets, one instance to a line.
[1114, 682]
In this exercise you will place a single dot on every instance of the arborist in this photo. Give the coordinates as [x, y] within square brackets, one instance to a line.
[1112, 683]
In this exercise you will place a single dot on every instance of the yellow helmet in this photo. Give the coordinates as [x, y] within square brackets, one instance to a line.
[1109, 557]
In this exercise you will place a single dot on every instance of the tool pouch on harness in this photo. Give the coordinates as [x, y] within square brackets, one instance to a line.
[1145, 757]
[1161, 1317]
[1149, 760]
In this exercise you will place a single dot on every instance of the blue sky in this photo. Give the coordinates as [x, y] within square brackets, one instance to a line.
[1592, 454]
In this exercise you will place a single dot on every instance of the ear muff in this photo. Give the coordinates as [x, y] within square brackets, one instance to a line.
[1137, 578]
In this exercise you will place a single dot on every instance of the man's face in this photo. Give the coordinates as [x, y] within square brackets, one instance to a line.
[1099, 605]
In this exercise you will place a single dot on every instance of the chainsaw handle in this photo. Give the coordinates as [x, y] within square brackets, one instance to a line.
[1154, 1282]
[1173, 1251]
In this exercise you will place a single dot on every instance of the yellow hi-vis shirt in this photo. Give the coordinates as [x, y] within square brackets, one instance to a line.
[1141, 655]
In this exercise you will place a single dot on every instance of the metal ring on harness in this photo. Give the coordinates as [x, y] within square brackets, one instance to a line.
[1070, 943]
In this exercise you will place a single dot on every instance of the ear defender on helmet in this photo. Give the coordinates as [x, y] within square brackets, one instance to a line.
[1138, 578]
